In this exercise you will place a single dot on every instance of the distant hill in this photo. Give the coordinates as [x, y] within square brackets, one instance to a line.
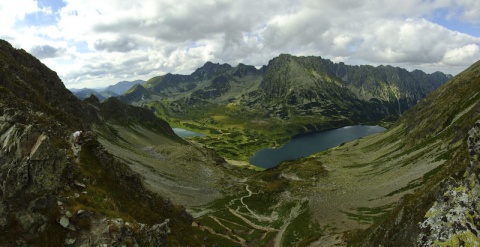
[101, 95]
[123, 86]
[292, 86]
[105, 93]
[134, 93]
[311, 85]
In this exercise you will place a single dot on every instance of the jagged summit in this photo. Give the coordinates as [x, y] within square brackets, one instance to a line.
[210, 69]
[291, 87]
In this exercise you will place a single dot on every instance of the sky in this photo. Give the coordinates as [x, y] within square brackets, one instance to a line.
[91, 43]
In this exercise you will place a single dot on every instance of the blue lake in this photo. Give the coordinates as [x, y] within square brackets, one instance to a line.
[305, 145]
[185, 133]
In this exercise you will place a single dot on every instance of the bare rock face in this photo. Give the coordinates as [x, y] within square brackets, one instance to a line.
[31, 170]
[29, 162]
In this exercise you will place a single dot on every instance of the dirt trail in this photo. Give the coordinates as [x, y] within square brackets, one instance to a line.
[242, 241]
[258, 217]
[223, 235]
[294, 212]
[263, 228]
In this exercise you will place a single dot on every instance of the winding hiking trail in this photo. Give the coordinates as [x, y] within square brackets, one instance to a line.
[294, 212]
[253, 214]
[262, 218]
[250, 220]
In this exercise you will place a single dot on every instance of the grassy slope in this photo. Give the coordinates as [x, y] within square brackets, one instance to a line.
[368, 177]
[439, 124]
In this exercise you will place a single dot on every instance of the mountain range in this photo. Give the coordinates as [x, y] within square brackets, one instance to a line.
[415, 184]
[289, 96]
[292, 86]
[105, 93]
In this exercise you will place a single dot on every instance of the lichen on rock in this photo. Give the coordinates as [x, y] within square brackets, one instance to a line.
[454, 219]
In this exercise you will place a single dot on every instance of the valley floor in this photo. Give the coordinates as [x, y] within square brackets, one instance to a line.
[308, 202]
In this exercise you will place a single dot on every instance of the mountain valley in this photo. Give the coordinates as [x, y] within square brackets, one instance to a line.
[133, 182]
[256, 108]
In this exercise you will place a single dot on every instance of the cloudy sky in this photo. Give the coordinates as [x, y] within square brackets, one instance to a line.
[92, 43]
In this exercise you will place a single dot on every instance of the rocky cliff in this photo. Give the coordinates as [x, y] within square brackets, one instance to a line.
[53, 193]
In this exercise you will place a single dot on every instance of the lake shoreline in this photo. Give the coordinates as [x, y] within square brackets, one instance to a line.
[304, 145]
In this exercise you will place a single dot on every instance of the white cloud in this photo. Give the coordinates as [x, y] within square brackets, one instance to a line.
[101, 42]
[10, 12]
[469, 10]
[464, 55]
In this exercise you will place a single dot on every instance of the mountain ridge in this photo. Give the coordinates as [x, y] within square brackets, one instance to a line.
[54, 193]
[289, 96]
[103, 93]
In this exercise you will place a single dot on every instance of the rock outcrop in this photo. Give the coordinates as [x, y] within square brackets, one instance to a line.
[30, 163]
[454, 219]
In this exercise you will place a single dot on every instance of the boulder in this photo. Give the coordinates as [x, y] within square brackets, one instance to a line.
[64, 221]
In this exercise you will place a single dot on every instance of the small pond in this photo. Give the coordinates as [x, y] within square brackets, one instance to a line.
[183, 133]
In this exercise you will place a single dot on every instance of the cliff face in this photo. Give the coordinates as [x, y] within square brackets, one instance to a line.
[31, 165]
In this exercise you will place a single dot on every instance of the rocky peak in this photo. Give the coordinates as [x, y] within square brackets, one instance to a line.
[245, 70]
[210, 69]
